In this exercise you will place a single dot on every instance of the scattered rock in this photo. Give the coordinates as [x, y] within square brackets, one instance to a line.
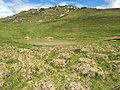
[62, 15]
[19, 20]
[49, 38]
[27, 38]
[40, 20]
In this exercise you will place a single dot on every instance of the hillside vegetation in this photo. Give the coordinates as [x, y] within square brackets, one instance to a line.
[90, 60]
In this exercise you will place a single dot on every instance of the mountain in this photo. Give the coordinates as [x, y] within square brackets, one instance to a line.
[41, 14]
[81, 22]
[60, 48]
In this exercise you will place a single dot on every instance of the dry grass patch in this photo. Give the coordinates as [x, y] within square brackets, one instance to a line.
[3, 70]
[78, 86]
[89, 69]
[27, 68]
[87, 60]
[65, 55]
[116, 64]
[88, 66]
[97, 56]
[3, 73]
[45, 84]
[59, 63]
[86, 49]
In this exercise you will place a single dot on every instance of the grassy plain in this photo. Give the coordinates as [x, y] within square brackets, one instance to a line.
[93, 63]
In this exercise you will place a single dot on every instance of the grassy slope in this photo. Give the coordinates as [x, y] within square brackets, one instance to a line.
[90, 27]
[78, 23]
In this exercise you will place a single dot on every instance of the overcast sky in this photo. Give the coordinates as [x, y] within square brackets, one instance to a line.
[11, 7]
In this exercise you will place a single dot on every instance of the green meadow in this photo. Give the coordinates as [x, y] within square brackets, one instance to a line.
[60, 48]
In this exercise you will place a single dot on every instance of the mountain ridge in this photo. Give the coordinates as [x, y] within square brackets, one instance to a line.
[21, 16]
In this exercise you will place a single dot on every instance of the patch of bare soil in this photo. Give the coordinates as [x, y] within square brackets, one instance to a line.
[50, 42]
